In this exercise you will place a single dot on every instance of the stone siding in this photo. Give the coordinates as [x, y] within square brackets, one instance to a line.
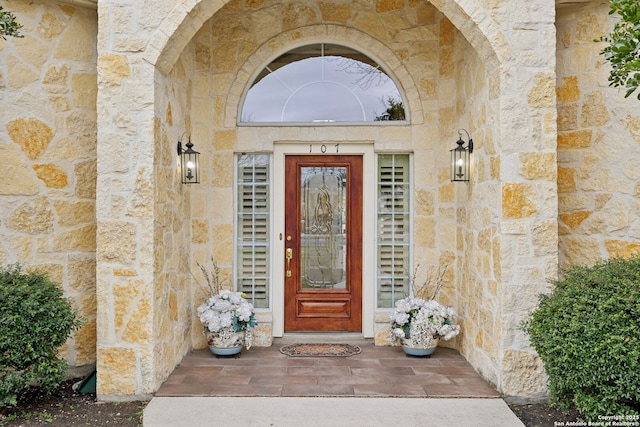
[48, 87]
[598, 145]
[554, 153]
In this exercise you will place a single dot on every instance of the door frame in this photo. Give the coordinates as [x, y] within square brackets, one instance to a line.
[364, 149]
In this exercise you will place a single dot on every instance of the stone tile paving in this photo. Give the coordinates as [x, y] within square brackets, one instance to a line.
[376, 371]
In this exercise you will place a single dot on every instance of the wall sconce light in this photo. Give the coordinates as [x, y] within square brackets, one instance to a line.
[461, 158]
[189, 163]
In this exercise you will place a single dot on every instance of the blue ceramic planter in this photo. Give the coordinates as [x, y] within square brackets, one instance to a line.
[225, 351]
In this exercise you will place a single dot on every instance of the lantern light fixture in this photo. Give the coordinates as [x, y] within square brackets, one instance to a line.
[461, 158]
[189, 163]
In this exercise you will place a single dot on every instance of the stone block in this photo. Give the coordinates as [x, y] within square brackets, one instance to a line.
[84, 90]
[383, 6]
[568, 90]
[50, 26]
[52, 175]
[117, 371]
[82, 239]
[544, 238]
[567, 116]
[202, 55]
[138, 327]
[77, 41]
[594, 111]
[542, 94]
[447, 33]
[263, 335]
[446, 192]
[81, 275]
[34, 217]
[424, 202]
[538, 165]
[523, 374]
[199, 231]
[335, 12]
[590, 26]
[224, 140]
[566, 180]
[113, 69]
[223, 169]
[17, 178]
[382, 334]
[518, 201]
[574, 219]
[622, 248]
[425, 231]
[576, 139]
[371, 24]
[85, 177]
[117, 242]
[579, 250]
[84, 340]
[31, 134]
[72, 213]
[56, 76]
[20, 74]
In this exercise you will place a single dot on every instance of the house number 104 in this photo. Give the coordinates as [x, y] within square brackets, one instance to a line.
[323, 148]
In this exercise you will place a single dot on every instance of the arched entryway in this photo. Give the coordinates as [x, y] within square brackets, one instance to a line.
[455, 70]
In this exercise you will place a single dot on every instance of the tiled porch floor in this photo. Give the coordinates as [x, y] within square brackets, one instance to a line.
[375, 372]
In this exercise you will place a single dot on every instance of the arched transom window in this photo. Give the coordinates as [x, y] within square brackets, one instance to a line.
[322, 83]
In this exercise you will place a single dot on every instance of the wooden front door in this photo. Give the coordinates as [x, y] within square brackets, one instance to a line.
[323, 243]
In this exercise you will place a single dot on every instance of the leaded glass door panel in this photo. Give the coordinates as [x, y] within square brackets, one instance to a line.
[323, 243]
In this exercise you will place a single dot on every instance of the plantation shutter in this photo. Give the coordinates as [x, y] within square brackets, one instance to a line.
[252, 235]
[393, 228]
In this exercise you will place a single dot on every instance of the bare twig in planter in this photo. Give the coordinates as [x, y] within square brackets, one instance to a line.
[212, 276]
[434, 276]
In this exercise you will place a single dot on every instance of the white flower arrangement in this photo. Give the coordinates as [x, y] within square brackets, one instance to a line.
[421, 318]
[226, 313]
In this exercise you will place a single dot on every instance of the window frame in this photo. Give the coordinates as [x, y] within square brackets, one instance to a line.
[259, 75]
[270, 224]
[409, 267]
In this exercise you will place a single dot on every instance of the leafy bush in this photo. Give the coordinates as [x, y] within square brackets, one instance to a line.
[586, 332]
[35, 320]
[8, 24]
[623, 51]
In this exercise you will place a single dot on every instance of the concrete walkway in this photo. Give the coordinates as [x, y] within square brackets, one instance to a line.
[378, 387]
[329, 411]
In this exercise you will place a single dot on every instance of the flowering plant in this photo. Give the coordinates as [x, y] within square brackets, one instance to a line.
[421, 318]
[226, 313]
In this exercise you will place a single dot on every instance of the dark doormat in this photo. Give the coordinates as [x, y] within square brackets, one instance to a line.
[320, 350]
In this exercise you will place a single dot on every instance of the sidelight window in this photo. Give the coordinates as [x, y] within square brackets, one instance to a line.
[253, 224]
[393, 229]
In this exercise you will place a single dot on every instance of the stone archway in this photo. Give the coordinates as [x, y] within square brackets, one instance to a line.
[145, 222]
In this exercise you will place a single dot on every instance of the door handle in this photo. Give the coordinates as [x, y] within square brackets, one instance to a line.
[288, 256]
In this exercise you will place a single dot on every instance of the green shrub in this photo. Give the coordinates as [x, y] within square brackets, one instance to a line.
[35, 320]
[588, 336]
[8, 24]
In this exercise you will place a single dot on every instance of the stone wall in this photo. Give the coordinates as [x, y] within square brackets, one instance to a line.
[173, 236]
[598, 145]
[456, 224]
[48, 154]
[242, 38]
[476, 209]
[168, 67]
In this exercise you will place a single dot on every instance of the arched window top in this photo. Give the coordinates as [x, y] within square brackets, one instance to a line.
[322, 83]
